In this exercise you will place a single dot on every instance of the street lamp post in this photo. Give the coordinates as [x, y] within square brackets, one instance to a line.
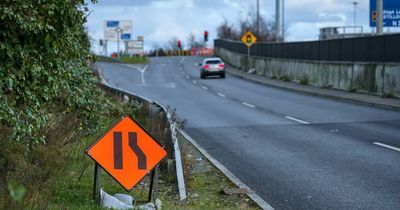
[118, 30]
[258, 17]
[355, 3]
[283, 20]
[277, 19]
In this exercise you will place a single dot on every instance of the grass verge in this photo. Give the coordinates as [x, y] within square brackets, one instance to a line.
[134, 59]
[205, 184]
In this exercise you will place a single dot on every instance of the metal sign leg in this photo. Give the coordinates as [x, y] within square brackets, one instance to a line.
[97, 184]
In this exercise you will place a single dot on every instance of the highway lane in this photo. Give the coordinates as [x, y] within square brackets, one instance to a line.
[296, 151]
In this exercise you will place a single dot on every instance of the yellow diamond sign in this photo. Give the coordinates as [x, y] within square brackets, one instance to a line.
[249, 39]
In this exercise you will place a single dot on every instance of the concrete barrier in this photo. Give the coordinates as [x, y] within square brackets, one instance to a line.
[381, 79]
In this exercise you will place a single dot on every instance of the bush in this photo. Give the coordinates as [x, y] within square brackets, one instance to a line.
[285, 78]
[304, 81]
[44, 67]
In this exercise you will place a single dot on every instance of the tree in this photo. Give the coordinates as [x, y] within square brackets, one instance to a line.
[247, 23]
[227, 31]
[172, 44]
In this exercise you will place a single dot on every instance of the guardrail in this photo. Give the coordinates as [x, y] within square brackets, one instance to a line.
[360, 49]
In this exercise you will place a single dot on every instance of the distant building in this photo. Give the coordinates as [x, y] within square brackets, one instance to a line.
[340, 32]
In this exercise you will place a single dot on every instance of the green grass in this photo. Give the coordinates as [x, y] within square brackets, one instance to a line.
[134, 59]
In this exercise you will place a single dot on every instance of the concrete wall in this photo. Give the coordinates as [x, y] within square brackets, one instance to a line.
[372, 78]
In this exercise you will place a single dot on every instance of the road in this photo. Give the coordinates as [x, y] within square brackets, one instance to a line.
[295, 151]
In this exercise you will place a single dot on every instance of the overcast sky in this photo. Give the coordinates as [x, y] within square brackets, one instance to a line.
[160, 20]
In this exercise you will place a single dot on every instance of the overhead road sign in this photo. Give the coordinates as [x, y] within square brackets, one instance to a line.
[113, 28]
[249, 39]
[390, 14]
[127, 152]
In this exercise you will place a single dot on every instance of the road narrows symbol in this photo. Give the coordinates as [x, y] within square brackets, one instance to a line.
[127, 152]
[118, 154]
[139, 153]
[118, 150]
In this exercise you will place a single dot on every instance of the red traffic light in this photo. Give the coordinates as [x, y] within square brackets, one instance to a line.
[179, 43]
[205, 36]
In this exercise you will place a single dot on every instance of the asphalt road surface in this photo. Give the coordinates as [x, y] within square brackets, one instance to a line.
[295, 151]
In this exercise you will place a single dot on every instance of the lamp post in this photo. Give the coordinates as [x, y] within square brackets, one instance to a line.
[355, 3]
[277, 19]
[118, 30]
[258, 17]
[283, 20]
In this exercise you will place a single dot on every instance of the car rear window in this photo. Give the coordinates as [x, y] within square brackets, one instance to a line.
[213, 62]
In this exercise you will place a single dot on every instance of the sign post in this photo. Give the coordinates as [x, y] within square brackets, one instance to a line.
[248, 39]
[126, 152]
[390, 13]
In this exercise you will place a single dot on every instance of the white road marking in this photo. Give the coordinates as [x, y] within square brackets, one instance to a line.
[387, 146]
[222, 95]
[297, 120]
[249, 105]
[204, 87]
[182, 72]
[194, 82]
[187, 77]
[183, 59]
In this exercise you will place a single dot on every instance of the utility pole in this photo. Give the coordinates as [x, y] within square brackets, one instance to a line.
[355, 3]
[379, 17]
[277, 19]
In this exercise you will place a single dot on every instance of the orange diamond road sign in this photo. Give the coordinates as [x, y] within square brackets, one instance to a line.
[127, 152]
[249, 39]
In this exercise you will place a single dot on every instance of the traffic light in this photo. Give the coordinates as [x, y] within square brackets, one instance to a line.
[205, 36]
[374, 16]
[179, 44]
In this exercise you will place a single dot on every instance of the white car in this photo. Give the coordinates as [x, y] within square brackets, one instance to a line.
[212, 66]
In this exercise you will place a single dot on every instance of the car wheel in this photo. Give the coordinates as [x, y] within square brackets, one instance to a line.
[223, 75]
[202, 76]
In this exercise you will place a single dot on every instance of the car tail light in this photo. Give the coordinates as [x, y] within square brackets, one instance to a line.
[206, 66]
[221, 65]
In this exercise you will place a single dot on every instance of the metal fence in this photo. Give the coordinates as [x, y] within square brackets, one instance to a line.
[384, 48]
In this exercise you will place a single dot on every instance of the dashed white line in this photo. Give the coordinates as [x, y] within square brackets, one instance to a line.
[194, 81]
[297, 120]
[387, 146]
[204, 87]
[187, 77]
[221, 95]
[249, 105]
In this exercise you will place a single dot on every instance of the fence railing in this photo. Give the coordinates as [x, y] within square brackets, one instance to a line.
[384, 48]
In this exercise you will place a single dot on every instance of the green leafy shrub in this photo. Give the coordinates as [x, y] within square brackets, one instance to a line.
[284, 78]
[304, 81]
[44, 50]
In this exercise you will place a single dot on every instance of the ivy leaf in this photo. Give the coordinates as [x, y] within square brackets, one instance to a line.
[17, 191]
